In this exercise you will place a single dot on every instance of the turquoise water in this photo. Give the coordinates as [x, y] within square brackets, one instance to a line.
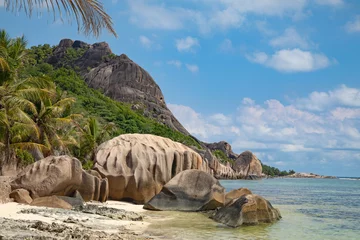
[311, 209]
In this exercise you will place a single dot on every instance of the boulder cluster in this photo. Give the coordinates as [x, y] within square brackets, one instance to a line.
[144, 169]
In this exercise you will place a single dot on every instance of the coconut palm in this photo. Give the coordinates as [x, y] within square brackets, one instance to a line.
[89, 14]
[92, 135]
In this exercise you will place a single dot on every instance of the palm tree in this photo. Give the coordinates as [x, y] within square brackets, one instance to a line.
[89, 14]
[92, 135]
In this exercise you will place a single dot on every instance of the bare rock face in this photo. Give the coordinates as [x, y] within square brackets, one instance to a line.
[137, 166]
[220, 171]
[235, 194]
[249, 209]
[52, 202]
[93, 188]
[247, 165]
[118, 77]
[54, 175]
[190, 190]
[21, 196]
[224, 147]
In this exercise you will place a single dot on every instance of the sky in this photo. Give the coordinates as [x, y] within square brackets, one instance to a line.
[277, 77]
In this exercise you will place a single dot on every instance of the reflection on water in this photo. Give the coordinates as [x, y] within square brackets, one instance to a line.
[311, 209]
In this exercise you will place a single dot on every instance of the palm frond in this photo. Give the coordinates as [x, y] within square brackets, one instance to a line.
[90, 15]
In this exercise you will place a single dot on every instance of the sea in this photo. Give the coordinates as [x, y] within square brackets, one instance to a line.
[310, 208]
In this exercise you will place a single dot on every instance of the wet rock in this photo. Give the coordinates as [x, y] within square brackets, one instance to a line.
[236, 193]
[190, 190]
[249, 209]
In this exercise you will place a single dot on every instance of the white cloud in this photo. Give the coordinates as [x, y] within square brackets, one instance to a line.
[263, 27]
[145, 41]
[285, 133]
[291, 60]
[192, 68]
[320, 101]
[2, 3]
[175, 63]
[330, 2]
[194, 122]
[226, 46]
[227, 18]
[289, 39]
[353, 26]
[187, 44]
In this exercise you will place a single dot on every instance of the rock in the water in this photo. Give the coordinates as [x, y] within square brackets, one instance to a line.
[236, 193]
[21, 196]
[51, 201]
[54, 175]
[247, 164]
[249, 209]
[137, 166]
[190, 190]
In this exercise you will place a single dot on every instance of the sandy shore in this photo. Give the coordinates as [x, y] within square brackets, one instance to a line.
[110, 220]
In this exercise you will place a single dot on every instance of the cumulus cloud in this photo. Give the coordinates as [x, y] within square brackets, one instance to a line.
[353, 26]
[187, 44]
[175, 63]
[341, 96]
[284, 132]
[289, 39]
[192, 68]
[291, 60]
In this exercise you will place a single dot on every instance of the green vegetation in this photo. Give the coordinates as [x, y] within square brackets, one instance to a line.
[221, 156]
[272, 171]
[52, 111]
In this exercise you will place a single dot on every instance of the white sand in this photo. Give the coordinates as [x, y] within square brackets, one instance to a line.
[95, 222]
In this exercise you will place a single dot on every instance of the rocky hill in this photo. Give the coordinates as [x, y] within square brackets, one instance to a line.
[118, 77]
[124, 81]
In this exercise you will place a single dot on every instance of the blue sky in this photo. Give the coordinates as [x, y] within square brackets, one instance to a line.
[277, 77]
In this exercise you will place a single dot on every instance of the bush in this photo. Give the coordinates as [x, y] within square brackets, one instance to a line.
[24, 156]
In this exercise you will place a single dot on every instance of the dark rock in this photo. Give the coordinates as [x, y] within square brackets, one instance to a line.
[249, 209]
[224, 147]
[80, 44]
[75, 201]
[190, 190]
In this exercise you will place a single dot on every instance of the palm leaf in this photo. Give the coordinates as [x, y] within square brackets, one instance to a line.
[90, 15]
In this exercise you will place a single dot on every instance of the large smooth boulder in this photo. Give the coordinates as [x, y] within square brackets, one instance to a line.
[249, 209]
[52, 202]
[54, 175]
[21, 196]
[236, 193]
[247, 165]
[190, 190]
[137, 166]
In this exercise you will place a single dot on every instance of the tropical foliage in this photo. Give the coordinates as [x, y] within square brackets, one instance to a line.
[272, 171]
[46, 111]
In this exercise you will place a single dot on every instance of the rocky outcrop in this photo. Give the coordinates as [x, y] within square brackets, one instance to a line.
[308, 175]
[118, 77]
[235, 194]
[247, 165]
[139, 165]
[220, 171]
[54, 175]
[224, 147]
[93, 188]
[51, 201]
[21, 196]
[249, 209]
[190, 190]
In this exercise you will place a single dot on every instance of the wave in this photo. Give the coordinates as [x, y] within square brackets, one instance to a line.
[349, 178]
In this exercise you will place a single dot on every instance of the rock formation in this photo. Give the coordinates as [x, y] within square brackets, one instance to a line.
[51, 201]
[247, 165]
[224, 147]
[236, 193]
[21, 196]
[54, 175]
[61, 176]
[249, 209]
[190, 190]
[118, 77]
[139, 165]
